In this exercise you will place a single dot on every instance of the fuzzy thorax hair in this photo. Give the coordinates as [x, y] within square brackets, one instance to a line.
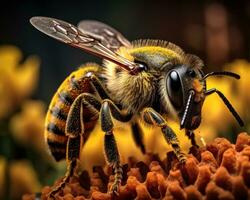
[132, 92]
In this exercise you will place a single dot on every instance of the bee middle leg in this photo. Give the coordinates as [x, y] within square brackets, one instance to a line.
[191, 136]
[108, 110]
[75, 132]
[138, 136]
[152, 117]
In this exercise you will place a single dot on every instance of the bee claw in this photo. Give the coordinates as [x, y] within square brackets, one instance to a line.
[114, 189]
[51, 197]
[182, 159]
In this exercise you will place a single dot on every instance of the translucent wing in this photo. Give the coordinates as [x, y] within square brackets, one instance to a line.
[68, 33]
[110, 37]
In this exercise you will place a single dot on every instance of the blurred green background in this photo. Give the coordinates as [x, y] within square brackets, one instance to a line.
[216, 31]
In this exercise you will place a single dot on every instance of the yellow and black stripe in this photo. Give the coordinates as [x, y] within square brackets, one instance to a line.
[55, 123]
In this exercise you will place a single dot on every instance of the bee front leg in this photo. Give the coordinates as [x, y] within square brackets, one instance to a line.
[75, 132]
[152, 117]
[98, 86]
[108, 110]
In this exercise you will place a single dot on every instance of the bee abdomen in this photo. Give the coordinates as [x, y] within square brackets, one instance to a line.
[65, 98]
[53, 128]
[58, 149]
[58, 113]
[70, 89]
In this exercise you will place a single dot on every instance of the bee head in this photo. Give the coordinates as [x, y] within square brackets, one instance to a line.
[162, 79]
[186, 92]
[181, 88]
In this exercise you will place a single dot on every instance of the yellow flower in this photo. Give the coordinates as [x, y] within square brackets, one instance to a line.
[27, 126]
[242, 87]
[214, 112]
[92, 152]
[156, 143]
[23, 179]
[216, 117]
[17, 80]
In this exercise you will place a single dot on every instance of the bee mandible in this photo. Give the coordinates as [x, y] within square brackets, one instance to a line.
[143, 80]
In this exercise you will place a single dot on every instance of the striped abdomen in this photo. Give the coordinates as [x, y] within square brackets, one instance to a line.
[55, 123]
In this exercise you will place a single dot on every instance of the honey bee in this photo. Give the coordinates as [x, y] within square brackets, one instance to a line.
[145, 80]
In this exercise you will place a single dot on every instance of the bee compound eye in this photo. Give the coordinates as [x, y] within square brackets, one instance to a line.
[174, 89]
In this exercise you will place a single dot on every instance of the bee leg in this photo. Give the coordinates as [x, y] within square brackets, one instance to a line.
[98, 86]
[138, 136]
[108, 110]
[75, 132]
[152, 117]
[72, 155]
[191, 136]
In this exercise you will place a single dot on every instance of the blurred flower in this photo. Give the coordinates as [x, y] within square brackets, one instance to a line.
[2, 175]
[214, 111]
[241, 88]
[27, 126]
[216, 116]
[156, 143]
[23, 179]
[92, 153]
[17, 81]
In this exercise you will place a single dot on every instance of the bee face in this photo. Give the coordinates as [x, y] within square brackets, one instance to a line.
[180, 82]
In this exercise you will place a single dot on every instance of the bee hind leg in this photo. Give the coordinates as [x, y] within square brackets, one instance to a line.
[75, 132]
[108, 110]
[71, 165]
[152, 117]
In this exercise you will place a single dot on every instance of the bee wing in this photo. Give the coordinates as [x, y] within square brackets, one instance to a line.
[110, 37]
[69, 34]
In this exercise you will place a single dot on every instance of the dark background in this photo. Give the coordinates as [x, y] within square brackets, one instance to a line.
[199, 27]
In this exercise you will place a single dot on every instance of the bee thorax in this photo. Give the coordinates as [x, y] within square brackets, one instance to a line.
[132, 92]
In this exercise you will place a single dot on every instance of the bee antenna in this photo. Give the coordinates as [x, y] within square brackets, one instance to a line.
[223, 73]
[227, 103]
[187, 109]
